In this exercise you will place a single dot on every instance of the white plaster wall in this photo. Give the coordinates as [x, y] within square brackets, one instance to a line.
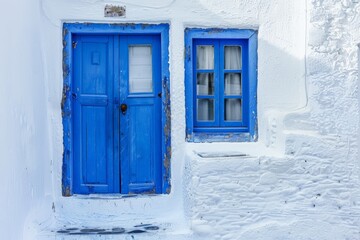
[282, 89]
[24, 133]
[313, 190]
[301, 179]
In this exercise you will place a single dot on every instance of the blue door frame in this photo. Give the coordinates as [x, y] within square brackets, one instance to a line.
[158, 37]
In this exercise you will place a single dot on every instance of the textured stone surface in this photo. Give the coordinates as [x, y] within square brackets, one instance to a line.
[312, 191]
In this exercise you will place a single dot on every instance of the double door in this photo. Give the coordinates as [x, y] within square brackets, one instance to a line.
[116, 118]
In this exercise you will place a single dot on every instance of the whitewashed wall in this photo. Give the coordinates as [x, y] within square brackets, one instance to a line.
[300, 180]
[311, 191]
[25, 172]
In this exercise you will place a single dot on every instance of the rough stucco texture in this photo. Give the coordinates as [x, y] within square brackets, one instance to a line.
[312, 192]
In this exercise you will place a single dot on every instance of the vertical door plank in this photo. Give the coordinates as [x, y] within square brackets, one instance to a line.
[140, 126]
[93, 115]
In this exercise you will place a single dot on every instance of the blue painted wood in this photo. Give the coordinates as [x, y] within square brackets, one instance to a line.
[253, 126]
[215, 71]
[66, 107]
[124, 119]
[98, 100]
[218, 33]
[244, 83]
[219, 96]
[116, 90]
[119, 28]
[140, 126]
[166, 110]
[92, 114]
[189, 85]
[245, 130]
[221, 130]
[201, 137]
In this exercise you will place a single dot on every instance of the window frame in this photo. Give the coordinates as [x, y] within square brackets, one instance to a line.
[246, 131]
[68, 30]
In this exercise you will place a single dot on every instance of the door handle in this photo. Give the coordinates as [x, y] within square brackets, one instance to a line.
[123, 108]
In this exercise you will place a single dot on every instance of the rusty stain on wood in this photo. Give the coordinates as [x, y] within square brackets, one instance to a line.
[65, 66]
[66, 191]
[65, 91]
[65, 32]
[145, 25]
[167, 133]
[167, 158]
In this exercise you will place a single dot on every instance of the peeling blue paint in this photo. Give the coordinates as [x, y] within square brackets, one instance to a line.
[69, 29]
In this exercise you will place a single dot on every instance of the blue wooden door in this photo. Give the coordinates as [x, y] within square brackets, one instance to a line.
[116, 98]
[140, 114]
[93, 115]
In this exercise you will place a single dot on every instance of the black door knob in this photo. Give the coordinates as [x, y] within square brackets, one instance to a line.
[123, 108]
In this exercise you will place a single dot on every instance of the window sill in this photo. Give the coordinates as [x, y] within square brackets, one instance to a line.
[231, 150]
[201, 137]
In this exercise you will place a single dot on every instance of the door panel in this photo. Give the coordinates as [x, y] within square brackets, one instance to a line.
[93, 115]
[140, 148]
[93, 149]
[94, 71]
[117, 150]
[140, 125]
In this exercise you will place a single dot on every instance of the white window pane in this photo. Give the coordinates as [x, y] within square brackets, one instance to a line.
[205, 83]
[232, 84]
[233, 110]
[205, 57]
[140, 69]
[205, 109]
[233, 58]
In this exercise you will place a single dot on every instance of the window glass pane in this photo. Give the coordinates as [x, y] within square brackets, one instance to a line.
[205, 57]
[205, 109]
[233, 110]
[140, 69]
[205, 83]
[232, 83]
[233, 57]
